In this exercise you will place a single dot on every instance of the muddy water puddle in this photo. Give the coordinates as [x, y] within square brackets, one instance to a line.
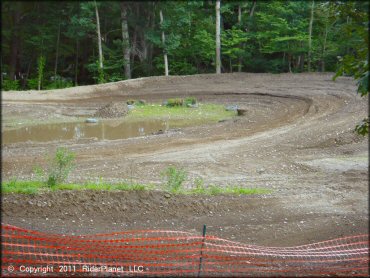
[103, 130]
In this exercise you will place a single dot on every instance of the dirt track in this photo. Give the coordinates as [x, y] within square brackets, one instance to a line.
[296, 139]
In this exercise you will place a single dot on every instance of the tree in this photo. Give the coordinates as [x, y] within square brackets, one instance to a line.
[310, 37]
[164, 43]
[40, 70]
[355, 62]
[218, 37]
[281, 34]
[56, 53]
[125, 41]
[90, 42]
[101, 66]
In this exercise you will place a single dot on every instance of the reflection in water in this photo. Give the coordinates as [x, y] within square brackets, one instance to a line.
[78, 133]
[105, 130]
[141, 131]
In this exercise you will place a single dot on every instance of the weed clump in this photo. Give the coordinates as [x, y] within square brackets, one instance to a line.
[174, 102]
[189, 101]
[174, 178]
[140, 102]
[178, 102]
[59, 167]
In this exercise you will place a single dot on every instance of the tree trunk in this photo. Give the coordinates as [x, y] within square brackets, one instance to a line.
[56, 54]
[302, 63]
[324, 49]
[290, 63]
[99, 37]
[298, 62]
[144, 45]
[218, 37]
[164, 41]
[125, 41]
[76, 63]
[253, 8]
[310, 36]
[240, 22]
[150, 48]
[14, 44]
[1, 66]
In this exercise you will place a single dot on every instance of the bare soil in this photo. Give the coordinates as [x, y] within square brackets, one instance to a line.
[296, 138]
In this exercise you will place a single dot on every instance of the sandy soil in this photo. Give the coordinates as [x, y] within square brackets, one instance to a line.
[296, 139]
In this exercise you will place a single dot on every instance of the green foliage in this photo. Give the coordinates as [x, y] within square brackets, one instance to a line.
[175, 102]
[59, 84]
[178, 102]
[355, 62]
[231, 41]
[273, 39]
[101, 77]
[199, 186]
[40, 70]
[233, 189]
[363, 127]
[140, 102]
[32, 83]
[190, 101]
[10, 85]
[174, 178]
[181, 116]
[359, 69]
[59, 167]
[34, 187]
[205, 45]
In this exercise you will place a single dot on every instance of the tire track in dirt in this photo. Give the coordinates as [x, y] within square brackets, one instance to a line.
[295, 124]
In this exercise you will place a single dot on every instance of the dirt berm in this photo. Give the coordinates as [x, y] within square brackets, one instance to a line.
[296, 139]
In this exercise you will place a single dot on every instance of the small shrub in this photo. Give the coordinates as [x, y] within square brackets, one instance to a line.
[101, 75]
[59, 168]
[10, 85]
[140, 102]
[175, 102]
[199, 186]
[32, 83]
[174, 178]
[190, 101]
[215, 190]
[363, 127]
[59, 84]
[41, 61]
[12, 183]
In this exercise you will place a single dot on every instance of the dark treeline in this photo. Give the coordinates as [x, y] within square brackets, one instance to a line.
[48, 45]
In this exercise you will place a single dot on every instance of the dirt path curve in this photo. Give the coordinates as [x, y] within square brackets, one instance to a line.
[296, 139]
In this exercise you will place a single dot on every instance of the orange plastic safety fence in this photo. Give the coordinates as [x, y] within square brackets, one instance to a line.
[170, 253]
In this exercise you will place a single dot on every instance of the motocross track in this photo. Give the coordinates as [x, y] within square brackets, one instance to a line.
[296, 139]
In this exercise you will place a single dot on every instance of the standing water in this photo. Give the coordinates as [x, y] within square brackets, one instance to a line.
[104, 130]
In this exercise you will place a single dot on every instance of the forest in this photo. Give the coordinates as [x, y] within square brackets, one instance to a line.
[57, 44]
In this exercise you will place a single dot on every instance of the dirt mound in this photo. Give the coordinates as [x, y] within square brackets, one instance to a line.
[112, 110]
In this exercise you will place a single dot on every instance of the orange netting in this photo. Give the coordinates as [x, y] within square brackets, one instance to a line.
[169, 253]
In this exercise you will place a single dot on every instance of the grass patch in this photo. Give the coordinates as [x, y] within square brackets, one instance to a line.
[23, 187]
[231, 190]
[34, 187]
[181, 116]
